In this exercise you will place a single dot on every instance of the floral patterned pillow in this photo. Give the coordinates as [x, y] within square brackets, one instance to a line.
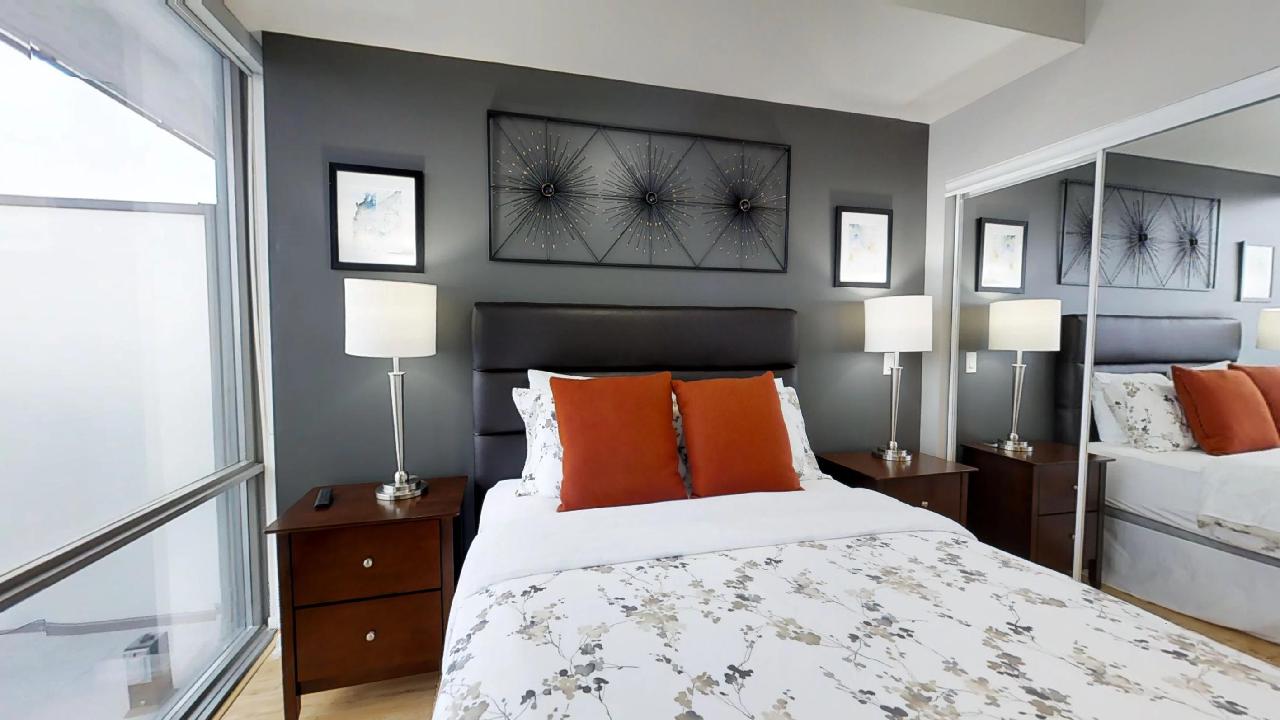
[803, 461]
[1150, 414]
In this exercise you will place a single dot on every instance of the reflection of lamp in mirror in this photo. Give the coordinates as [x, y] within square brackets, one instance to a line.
[1269, 329]
[1023, 326]
[898, 324]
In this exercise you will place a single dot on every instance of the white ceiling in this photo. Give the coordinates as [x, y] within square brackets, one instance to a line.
[1246, 139]
[868, 56]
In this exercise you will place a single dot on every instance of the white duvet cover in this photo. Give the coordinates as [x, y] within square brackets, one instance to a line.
[817, 604]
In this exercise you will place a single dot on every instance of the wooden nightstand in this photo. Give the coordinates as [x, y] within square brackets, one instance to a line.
[1025, 504]
[926, 481]
[365, 586]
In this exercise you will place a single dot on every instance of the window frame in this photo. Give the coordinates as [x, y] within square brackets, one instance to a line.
[235, 378]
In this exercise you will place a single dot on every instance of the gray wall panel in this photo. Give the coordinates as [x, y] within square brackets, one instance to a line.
[335, 102]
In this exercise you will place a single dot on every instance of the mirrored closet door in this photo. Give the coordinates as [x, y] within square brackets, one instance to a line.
[1016, 409]
[1185, 379]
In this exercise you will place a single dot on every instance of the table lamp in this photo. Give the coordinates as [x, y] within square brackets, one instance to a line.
[387, 319]
[1269, 329]
[897, 324]
[1023, 326]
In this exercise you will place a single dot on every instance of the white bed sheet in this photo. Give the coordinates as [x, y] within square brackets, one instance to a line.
[1163, 486]
[1170, 487]
[502, 505]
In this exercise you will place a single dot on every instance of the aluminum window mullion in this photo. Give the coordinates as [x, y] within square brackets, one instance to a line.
[29, 579]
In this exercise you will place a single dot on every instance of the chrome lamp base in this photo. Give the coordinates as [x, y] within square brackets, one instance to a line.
[892, 454]
[402, 488]
[1014, 446]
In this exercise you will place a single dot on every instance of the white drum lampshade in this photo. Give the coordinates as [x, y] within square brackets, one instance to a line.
[388, 319]
[899, 323]
[1026, 325]
[1269, 329]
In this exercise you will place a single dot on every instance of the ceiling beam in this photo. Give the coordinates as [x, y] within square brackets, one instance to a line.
[1060, 19]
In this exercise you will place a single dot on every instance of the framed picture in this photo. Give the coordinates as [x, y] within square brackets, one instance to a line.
[863, 247]
[1256, 263]
[375, 218]
[1002, 256]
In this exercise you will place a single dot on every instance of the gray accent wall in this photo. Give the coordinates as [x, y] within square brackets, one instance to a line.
[1250, 211]
[328, 101]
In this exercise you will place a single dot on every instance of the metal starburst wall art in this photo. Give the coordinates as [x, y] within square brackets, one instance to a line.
[569, 192]
[1149, 239]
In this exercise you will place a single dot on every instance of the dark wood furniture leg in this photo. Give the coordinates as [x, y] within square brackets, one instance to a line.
[288, 668]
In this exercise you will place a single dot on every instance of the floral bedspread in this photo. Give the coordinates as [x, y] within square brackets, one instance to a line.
[920, 624]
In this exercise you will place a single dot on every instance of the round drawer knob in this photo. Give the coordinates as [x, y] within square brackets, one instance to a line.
[1075, 487]
[924, 503]
[370, 636]
[368, 562]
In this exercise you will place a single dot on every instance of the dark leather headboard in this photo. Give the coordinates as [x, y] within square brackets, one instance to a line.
[1133, 344]
[508, 339]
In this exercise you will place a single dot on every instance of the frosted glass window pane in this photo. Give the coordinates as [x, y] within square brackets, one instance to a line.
[106, 375]
[63, 651]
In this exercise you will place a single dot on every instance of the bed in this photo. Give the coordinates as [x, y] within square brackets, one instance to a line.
[829, 602]
[1177, 530]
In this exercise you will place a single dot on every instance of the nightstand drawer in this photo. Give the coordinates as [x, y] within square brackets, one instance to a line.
[356, 641]
[942, 494]
[361, 562]
[1057, 488]
[1054, 542]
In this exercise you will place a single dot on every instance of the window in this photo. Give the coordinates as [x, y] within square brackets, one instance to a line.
[130, 553]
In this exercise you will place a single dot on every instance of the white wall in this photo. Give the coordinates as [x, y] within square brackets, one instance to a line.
[1138, 56]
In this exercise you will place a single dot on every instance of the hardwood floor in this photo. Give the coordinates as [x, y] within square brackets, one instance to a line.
[258, 695]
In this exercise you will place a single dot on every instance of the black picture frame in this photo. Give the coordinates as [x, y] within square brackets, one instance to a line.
[978, 285]
[419, 215]
[837, 238]
[1271, 275]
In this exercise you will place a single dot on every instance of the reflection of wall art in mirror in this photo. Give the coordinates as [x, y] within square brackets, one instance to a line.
[1256, 262]
[1002, 256]
[578, 193]
[863, 247]
[1150, 239]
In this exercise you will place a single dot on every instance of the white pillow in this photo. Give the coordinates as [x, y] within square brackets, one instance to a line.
[1220, 365]
[1109, 428]
[1149, 412]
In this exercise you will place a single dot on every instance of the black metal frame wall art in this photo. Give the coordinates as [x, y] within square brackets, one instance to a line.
[568, 192]
[1154, 240]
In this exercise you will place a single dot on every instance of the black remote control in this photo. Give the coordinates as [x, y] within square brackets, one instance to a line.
[324, 498]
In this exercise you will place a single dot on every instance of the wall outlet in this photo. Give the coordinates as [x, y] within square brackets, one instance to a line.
[888, 364]
[971, 362]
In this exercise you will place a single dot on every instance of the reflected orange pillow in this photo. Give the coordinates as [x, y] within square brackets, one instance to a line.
[735, 435]
[1225, 410]
[1267, 380]
[618, 439]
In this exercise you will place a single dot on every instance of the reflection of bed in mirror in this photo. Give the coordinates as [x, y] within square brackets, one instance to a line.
[1165, 537]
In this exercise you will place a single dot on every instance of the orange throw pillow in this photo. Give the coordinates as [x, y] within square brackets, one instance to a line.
[735, 435]
[1267, 379]
[1225, 410]
[619, 444]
